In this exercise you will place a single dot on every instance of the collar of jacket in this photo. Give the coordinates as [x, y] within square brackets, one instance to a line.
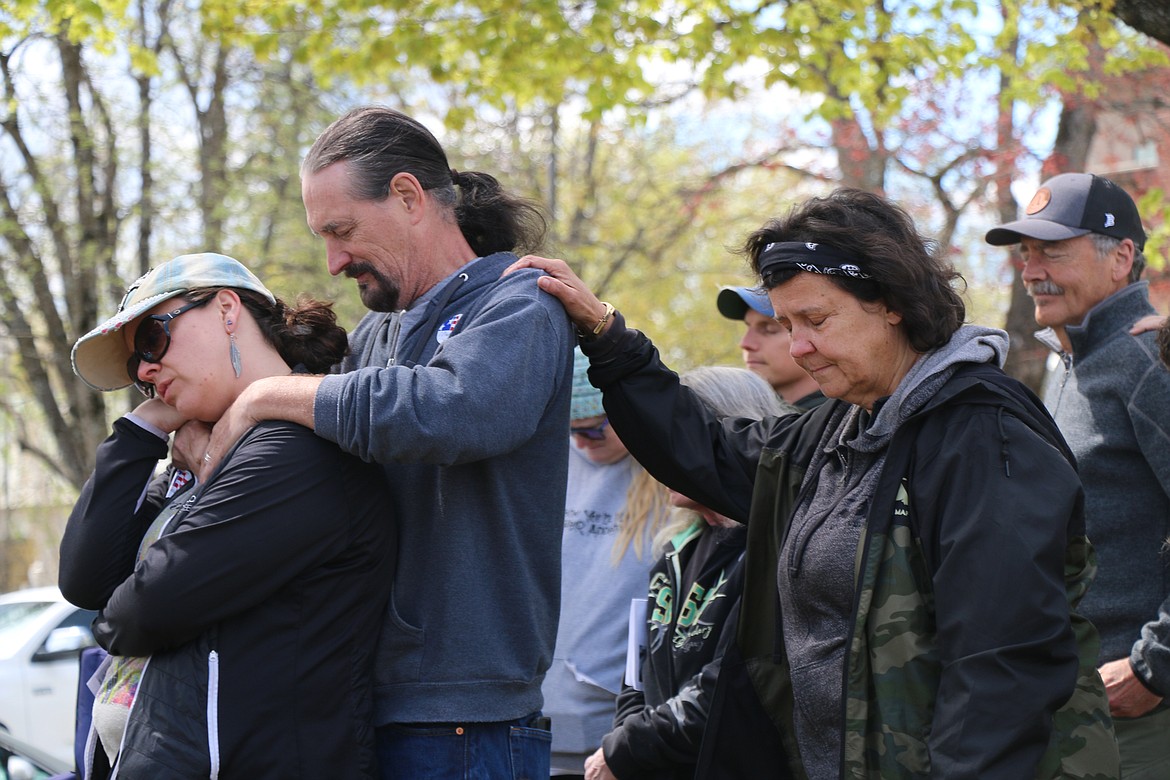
[480, 272]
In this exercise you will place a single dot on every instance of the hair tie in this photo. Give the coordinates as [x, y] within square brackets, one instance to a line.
[455, 177]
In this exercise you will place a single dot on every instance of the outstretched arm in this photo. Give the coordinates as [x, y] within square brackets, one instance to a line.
[667, 428]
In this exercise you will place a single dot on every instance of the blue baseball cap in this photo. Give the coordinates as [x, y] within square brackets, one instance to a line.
[734, 302]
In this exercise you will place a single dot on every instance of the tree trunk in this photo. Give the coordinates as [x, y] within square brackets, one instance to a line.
[1027, 357]
[1151, 17]
[1074, 134]
[213, 154]
[861, 166]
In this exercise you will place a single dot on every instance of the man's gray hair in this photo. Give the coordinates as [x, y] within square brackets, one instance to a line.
[1107, 245]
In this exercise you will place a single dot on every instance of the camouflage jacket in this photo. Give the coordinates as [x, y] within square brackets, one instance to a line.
[938, 681]
[966, 658]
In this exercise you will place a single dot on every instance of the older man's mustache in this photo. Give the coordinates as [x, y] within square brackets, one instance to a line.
[1043, 288]
[356, 269]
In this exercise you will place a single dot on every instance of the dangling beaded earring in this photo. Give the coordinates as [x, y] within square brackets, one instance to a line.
[234, 353]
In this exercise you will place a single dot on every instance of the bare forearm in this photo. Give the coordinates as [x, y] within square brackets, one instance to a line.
[287, 398]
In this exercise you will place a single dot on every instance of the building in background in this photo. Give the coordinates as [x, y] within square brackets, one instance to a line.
[1131, 146]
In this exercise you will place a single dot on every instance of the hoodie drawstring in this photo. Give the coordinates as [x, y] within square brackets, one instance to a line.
[437, 306]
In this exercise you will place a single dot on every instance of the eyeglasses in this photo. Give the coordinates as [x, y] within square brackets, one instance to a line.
[595, 433]
[146, 388]
[151, 342]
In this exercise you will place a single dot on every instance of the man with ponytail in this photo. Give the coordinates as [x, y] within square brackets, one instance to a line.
[458, 383]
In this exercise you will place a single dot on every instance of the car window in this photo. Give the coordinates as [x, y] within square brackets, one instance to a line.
[21, 611]
[72, 633]
[16, 620]
[80, 618]
[14, 765]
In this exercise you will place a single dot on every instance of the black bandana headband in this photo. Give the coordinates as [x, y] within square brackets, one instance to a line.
[814, 258]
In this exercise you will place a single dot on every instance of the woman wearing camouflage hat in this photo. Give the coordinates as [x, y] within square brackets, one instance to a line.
[239, 608]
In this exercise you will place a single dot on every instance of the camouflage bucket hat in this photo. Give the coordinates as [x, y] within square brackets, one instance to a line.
[100, 356]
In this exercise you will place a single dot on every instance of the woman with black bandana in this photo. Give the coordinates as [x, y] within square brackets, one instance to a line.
[916, 547]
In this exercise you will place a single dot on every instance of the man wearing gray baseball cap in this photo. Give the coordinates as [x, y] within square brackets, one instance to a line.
[1081, 241]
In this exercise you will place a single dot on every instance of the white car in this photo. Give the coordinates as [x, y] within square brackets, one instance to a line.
[21, 761]
[41, 636]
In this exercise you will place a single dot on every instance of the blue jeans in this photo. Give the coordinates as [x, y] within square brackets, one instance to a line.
[518, 750]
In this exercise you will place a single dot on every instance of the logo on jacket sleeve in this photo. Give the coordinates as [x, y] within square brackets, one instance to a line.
[447, 328]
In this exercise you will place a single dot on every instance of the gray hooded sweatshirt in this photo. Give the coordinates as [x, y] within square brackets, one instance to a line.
[815, 577]
[464, 399]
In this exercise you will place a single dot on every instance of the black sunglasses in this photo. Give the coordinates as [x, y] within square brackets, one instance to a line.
[596, 433]
[151, 342]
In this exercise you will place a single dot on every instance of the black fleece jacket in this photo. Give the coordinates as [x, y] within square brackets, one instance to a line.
[259, 605]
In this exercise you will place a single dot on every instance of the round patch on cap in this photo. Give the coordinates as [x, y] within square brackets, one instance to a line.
[1041, 199]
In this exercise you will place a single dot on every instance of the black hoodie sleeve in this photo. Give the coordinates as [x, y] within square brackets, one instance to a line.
[268, 515]
[670, 431]
[666, 737]
[101, 539]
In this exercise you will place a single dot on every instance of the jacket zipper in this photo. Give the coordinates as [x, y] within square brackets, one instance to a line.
[1066, 360]
[805, 533]
[213, 712]
[392, 339]
[674, 582]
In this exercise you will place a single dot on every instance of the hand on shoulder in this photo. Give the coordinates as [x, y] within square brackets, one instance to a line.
[288, 398]
[1147, 323]
[588, 313]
